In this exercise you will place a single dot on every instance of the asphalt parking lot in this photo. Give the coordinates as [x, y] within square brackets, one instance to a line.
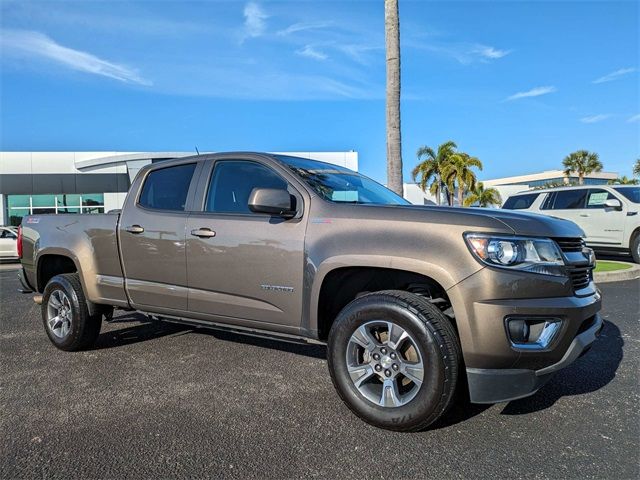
[159, 400]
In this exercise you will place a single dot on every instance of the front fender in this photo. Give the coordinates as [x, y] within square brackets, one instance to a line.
[431, 270]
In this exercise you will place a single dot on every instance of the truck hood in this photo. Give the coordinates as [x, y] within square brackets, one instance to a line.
[519, 223]
[535, 224]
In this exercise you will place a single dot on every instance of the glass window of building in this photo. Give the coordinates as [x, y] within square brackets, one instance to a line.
[19, 206]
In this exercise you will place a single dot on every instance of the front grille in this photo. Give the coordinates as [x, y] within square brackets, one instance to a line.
[570, 244]
[581, 275]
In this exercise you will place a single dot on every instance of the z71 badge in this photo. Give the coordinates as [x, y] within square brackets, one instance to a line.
[277, 288]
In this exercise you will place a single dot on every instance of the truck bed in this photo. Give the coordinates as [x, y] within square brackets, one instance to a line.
[90, 240]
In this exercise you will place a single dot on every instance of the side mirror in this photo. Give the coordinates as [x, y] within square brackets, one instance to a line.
[273, 201]
[613, 203]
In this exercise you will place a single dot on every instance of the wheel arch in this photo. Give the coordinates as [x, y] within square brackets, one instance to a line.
[342, 279]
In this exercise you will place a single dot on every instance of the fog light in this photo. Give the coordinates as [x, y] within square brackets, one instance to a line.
[532, 333]
[518, 330]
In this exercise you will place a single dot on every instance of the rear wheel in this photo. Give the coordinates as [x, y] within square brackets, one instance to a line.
[394, 359]
[65, 314]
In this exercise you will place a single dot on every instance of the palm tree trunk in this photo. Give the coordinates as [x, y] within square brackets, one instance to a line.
[439, 193]
[394, 142]
[580, 178]
[460, 195]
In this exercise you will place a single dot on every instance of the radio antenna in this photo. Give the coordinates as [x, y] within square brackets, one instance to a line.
[196, 147]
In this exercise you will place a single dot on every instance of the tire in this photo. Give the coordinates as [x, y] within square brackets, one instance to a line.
[76, 330]
[407, 406]
[635, 248]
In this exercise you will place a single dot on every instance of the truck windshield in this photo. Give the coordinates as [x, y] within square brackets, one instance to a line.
[632, 193]
[339, 184]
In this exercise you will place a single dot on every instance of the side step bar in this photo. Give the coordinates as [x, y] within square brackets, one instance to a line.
[252, 332]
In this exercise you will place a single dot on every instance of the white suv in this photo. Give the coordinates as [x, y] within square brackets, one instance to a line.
[608, 214]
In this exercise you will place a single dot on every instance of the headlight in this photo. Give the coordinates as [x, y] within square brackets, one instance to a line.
[535, 255]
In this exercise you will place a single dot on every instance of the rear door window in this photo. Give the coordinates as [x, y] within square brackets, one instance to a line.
[566, 200]
[520, 202]
[167, 188]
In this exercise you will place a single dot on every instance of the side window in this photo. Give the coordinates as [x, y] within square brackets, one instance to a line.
[597, 197]
[167, 188]
[232, 182]
[520, 202]
[548, 202]
[569, 199]
[7, 234]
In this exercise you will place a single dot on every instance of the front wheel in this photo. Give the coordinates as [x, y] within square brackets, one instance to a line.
[635, 248]
[394, 359]
[65, 314]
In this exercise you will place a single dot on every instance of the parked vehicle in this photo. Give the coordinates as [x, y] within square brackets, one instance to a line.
[608, 214]
[409, 299]
[8, 243]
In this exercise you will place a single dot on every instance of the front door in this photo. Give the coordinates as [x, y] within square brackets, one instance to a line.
[242, 264]
[602, 225]
[152, 239]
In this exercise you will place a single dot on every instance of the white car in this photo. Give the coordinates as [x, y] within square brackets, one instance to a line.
[608, 214]
[8, 243]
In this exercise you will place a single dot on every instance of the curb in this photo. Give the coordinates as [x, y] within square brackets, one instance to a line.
[619, 275]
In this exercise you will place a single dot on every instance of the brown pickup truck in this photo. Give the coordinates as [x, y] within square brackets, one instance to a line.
[413, 302]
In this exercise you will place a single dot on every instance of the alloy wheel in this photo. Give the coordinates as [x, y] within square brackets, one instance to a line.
[59, 314]
[384, 363]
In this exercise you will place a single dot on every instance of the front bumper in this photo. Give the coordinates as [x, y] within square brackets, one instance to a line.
[503, 385]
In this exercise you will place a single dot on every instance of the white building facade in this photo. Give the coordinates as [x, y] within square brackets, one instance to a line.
[511, 185]
[88, 182]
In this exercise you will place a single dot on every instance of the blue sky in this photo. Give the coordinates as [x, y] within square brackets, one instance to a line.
[517, 84]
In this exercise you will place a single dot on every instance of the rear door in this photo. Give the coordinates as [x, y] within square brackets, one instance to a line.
[567, 204]
[251, 265]
[152, 237]
[603, 225]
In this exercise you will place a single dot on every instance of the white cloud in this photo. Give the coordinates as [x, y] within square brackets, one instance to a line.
[29, 44]
[254, 20]
[311, 52]
[595, 118]
[490, 52]
[464, 53]
[634, 118]
[609, 77]
[302, 26]
[534, 92]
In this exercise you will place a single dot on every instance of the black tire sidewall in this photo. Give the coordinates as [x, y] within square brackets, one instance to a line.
[634, 248]
[78, 311]
[427, 402]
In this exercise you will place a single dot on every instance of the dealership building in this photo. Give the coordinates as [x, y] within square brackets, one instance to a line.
[88, 182]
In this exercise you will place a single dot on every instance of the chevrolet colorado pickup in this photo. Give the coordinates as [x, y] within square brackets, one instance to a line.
[413, 302]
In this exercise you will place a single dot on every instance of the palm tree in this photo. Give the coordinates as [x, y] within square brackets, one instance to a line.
[394, 141]
[431, 167]
[636, 168]
[583, 163]
[458, 171]
[624, 180]
[484, 197]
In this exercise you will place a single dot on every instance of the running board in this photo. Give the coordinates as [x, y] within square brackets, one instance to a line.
[251, 332]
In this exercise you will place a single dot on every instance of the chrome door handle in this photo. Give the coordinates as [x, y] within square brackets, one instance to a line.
[203, 233]
[135, 229]
[584, 214]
